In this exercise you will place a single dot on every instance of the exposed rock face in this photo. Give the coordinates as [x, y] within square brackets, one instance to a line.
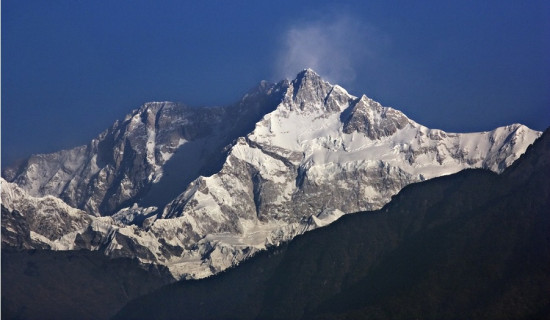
[301, 154]
[369, 117]
[30, 222]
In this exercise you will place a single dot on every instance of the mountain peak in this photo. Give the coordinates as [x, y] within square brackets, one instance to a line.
[307, 73]
[308, 92]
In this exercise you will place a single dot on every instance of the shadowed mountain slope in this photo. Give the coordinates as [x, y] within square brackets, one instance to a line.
[44, 284]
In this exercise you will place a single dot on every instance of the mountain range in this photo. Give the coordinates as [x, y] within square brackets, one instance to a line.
[198, 190]
[472, 245]
[469, 245]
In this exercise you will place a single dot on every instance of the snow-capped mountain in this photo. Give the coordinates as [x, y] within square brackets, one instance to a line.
[200, 189]
[123, 163]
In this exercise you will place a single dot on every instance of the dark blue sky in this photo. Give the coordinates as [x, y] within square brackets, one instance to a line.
[71, 68]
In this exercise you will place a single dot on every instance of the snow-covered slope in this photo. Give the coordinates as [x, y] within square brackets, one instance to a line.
[314, 153]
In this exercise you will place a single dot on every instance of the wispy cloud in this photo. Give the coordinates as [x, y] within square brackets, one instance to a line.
[335, 47]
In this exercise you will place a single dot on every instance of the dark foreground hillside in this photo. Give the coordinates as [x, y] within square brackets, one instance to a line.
[44, 284]
[473, 245]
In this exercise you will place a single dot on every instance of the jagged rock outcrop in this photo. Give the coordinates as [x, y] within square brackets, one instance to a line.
[36, 221]
[369, 117]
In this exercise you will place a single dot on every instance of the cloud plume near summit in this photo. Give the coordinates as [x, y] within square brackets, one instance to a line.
[334, 47]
